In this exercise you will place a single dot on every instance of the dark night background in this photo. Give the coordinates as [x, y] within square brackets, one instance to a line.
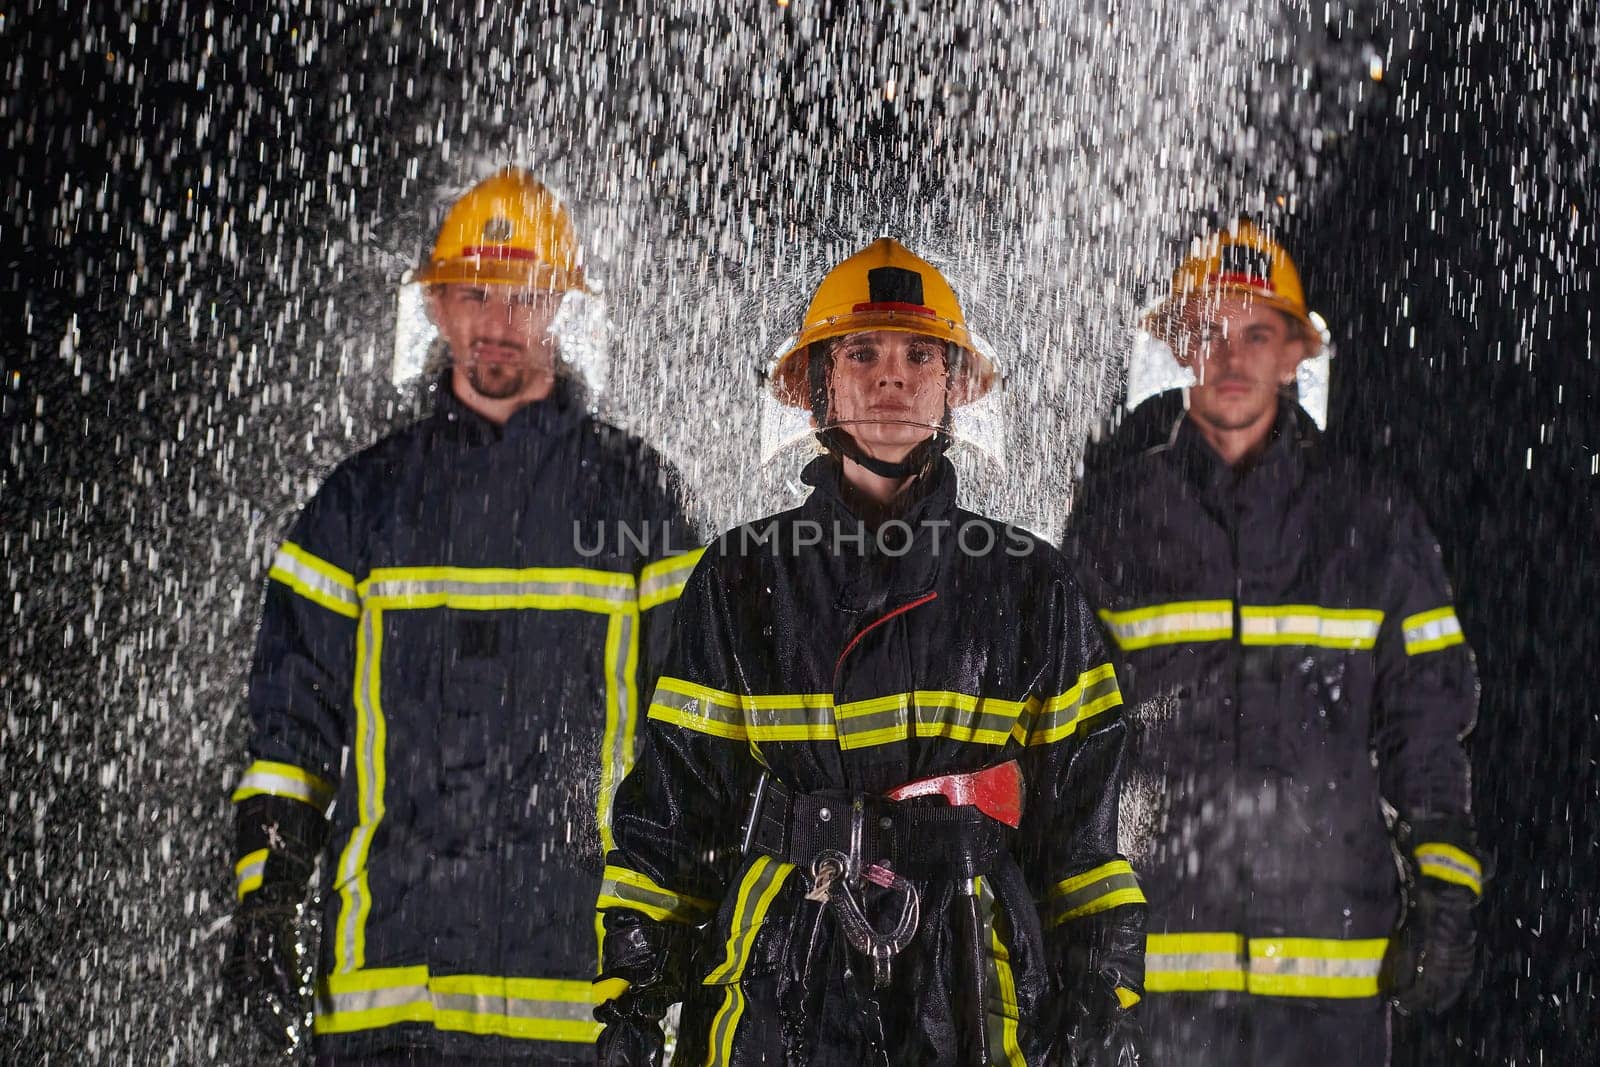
[1487, 232]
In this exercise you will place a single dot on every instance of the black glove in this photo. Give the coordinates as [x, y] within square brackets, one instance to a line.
[1430, 956]
[652, 958]
[629, 1039]
[263, 972]
[1098, 1031]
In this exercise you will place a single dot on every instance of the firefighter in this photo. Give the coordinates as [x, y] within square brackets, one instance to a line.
[1283, 624]
[450, 657]
[881, 763]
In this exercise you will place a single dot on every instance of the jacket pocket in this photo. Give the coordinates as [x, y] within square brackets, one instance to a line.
[741, 920]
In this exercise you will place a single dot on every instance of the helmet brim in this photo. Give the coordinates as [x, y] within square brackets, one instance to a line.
[1163, 320]
[472, 270]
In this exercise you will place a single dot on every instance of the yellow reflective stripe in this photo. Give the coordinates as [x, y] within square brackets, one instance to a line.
[1001, 1012]
[1107, 886]
[1309, 624]
[1169, 624]
[866, 723]
[500, 589]
[607, 989]
[783, 717]
[724, 1024]
[1060, 717]
[1430, 631]
[1449, 864]
[371, 736]
[624, 888]
[616, 744]
[537, 1008]
[1315, 967]
[1264, 966]
[664, 579]
[247, 873]
[1199, 962]
[273, 779]
[315, 579]
[1127, 998]
[756, 892]
[926, 714]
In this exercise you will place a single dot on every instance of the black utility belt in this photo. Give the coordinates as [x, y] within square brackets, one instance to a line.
[913, 839]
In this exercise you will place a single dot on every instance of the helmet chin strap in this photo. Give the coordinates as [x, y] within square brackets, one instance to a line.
[837, 440]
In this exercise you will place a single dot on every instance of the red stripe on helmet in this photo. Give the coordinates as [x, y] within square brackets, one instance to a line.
[498, 252]
[889, 305]
[1252, 280]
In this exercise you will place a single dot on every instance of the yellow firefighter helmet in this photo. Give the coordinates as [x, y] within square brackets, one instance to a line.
[506, 230]
[1241, 260]
[883, 287]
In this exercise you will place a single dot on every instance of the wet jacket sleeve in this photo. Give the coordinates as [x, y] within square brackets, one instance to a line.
[300, 687]
[1426, 705]
[662, 575]
[1082, 546]
[676, 819]
[1090, 903]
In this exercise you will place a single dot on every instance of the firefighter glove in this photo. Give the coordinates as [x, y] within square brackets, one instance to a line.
[1429, 960]
[278, 840]
[1099, 1030]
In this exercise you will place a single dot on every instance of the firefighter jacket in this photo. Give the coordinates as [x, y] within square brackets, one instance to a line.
[453, 642]
[944, 642]
[1286, 635]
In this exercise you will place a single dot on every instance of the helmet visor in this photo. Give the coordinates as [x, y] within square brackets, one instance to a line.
[888, 396]
[579, 328]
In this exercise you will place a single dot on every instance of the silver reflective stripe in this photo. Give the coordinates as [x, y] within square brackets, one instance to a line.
[1430, 631]
[1315, 966]
[1181, 962]
[249, 872]
[658, 580]
[698, 705]
[1434, 859]
[1116, 877]
[352, 865]
[780, 717]
[258, 779]
[329, 1003]
[1162, 624]
[1309, 625]
[514, 1007]
[423, 587]
[616, 753]
[289, 567]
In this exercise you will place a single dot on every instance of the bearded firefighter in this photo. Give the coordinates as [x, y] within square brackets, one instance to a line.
[1284, 626]
[874, 817]
[442, 663]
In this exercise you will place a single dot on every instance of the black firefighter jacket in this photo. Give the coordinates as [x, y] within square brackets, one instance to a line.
[1286, 635]
[851, 672]
[451, 654]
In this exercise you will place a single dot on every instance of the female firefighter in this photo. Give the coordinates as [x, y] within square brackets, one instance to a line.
[882, 761]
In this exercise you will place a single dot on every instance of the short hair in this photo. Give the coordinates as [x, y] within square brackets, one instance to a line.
[1298, 330]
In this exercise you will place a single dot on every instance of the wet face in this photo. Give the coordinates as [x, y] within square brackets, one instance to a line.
[1241, 352]
[888, 389]
[499, 337]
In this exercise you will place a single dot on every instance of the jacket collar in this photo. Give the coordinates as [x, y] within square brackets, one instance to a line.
[933, 496]
[878, 581]
[555, 415]
[1293, 443]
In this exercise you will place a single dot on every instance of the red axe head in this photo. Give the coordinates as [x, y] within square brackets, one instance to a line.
[996, 791]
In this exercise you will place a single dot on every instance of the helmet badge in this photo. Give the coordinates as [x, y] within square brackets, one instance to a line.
[498, 229]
